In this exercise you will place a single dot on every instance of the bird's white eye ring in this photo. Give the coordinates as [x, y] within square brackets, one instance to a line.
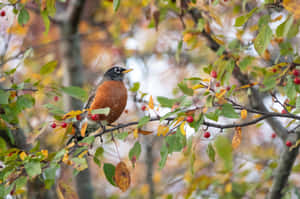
[117, 70]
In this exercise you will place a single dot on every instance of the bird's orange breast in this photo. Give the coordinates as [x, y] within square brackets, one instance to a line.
[112, 94]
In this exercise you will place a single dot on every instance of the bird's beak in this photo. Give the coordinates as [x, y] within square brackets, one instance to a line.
[127, 71]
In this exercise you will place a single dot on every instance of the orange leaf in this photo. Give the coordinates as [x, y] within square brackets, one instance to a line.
[83, 129]
[151, 103]
[236, 140]
[145, 132]
[244, 114]
[221, 93]
[248, 85]
[122, 176]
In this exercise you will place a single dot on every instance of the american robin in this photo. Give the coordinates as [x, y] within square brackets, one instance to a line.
[111, 93]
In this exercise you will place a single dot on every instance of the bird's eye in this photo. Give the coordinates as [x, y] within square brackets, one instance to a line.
[117, 70]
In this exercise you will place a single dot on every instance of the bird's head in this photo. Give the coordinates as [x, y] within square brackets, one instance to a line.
[116, 73]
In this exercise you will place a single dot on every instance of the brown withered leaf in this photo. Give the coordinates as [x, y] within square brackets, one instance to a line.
[122, 176]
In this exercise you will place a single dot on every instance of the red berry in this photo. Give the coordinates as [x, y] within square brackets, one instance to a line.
[143, 108]
[274, 70]
[218, 84]
[213, 74]
[2, 13]
[78, 117]
[189, 119]
[273, 135]
[56, 98]
[53, 125]
[288, 143]
[296, 72]
[95, 117]
[228, 88]
[297, 80]
[64, 125]
[206, 134]
[283, 111]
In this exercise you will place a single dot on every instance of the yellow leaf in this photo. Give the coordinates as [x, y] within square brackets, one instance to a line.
[23, 155]
[244, 114]
[182, 130]
[45, 153]
[248, 85]
[83, 129]
[70, 145]
[295, 145]
[162, 130]
[136, 133]
[187, 37]
[236, 140]
[228, 188]
[151, 103]
[293, 6]
[256, 116]
[83, 153]
[198, 86]
[221, 93]
[277, 18]
[71, 114]
[180, 119]
[122, 176]
[157, 177]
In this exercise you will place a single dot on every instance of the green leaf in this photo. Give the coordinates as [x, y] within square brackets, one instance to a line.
[23, 16]
[164, 155]
[3, 146]
[122, 135]
[80, 163]
[46, 20]
[135, 87]
[33, 168]
[269, 83]
[224, 150]
[135, 151]
[211, 152]
[228, 111]
[21, 183]
[103, 111]
[283, 29]
[116, 5]
[98, 155]
[109, 171]
[200, 24]
[298, 103]
[144, 120]
[246, 61]
[24, 101]
[290, 89]
[178, 51]
[54, 109]
[50, 175]
[51, 7]
[241, 20]
[4, 97]
[88, 140]
[185, 89]
[48, 67]
[166, 102]
[76, 92]
[263, 39]
[176, 142]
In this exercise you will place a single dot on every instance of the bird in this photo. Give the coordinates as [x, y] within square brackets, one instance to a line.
[111, 93]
